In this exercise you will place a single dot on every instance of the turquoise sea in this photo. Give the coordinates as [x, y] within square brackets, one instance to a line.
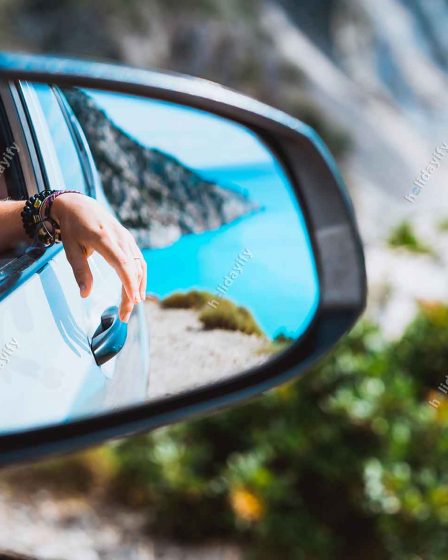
[277, 283]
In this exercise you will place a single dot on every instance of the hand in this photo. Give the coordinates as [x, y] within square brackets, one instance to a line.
[87, 227]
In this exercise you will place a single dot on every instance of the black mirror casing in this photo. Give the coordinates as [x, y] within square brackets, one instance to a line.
[328, 212]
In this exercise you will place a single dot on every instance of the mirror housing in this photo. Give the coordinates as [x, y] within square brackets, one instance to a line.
[328, 212]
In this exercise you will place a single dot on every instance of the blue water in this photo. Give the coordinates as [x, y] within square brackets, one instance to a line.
[278, 283]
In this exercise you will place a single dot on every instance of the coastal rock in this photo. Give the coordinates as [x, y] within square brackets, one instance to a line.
[154, 195]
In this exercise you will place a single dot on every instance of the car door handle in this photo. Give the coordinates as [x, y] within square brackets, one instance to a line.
[110, 337]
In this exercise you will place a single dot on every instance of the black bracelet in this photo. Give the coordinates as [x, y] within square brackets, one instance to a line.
[40, 228]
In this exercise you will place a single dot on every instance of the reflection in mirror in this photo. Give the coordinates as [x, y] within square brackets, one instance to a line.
[232, 279]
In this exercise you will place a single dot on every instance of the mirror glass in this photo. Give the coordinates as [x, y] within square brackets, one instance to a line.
[232, 279]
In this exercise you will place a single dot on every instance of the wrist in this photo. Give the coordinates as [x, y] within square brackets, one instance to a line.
[42, 222]
[61, 203]
[57, 208]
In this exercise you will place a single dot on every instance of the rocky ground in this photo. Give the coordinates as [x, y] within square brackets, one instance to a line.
[47, 527]
[184, 355]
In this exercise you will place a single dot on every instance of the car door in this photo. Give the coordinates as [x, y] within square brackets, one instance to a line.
[48, 372]
[128, 374]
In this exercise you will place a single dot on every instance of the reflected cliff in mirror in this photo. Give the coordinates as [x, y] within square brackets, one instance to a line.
[231, 273]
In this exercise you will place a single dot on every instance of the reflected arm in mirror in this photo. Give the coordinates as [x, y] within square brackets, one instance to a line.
[85, 227]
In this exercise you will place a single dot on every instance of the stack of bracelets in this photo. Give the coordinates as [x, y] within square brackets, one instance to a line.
[38, 224]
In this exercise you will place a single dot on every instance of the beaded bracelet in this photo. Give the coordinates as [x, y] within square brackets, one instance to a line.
[36, 219]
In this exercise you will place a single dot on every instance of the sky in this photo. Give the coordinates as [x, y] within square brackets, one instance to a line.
[197, 138]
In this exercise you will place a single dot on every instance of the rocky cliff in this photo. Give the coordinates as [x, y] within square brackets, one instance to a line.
[370, 75]
[155, 195]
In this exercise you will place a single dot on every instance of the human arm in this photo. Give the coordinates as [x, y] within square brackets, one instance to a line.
[86, 227]
[11, 228]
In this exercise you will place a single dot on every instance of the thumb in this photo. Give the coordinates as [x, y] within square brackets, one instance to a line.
[80, 266]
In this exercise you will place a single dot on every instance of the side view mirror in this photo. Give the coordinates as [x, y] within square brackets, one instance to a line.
[255, 264]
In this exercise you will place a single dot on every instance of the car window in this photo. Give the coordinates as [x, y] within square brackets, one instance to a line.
[11, 177]
[59, 153]
[3, 188]
[12, 154]
[56, 158]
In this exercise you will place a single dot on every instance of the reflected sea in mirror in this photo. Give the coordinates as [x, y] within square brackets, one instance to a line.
[277, 283]
[280, 283]
[252, 261]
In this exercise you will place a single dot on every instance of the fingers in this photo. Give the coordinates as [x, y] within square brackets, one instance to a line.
[81, 270]
[126, 306]
[140, 267]
[122, 260]
[84, 224]
[80, 266]
[144, 280]
[140, 263]
[126, 258]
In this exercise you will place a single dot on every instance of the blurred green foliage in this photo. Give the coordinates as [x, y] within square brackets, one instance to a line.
[403, 236]
[442, 225]
[348, 463]
[351, 462]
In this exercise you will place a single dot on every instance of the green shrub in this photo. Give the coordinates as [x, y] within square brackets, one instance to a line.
[280, 343]
[351, 462]
[442, 225]
[193, 299]
[226, 315]
[403, 236]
